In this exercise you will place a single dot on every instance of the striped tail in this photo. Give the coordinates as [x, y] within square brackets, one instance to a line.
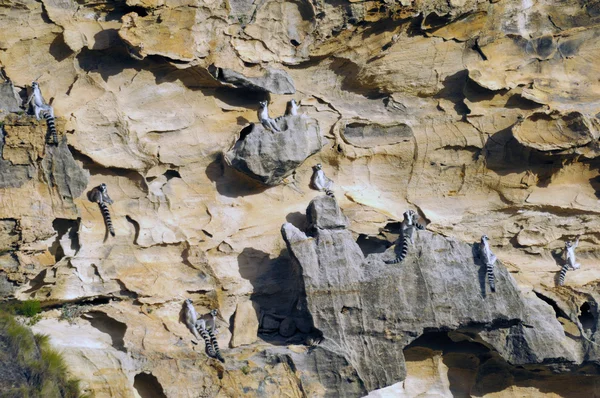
[403, 252]
[52, 137]
[209, 348]
[329, 192]
[490, 276]
[563, 272]
[106, 215]
[215, 346]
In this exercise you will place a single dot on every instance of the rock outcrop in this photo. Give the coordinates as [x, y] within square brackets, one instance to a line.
[270, 156]
[369, 311]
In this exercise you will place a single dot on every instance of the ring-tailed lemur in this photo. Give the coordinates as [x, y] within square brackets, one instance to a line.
[570, 261]
[407, 228]
[263, 117]
[100, 195]
[490, 259]
[320, 182]
[40, 107]
[190, 317]
[291, 109]
[206, 326]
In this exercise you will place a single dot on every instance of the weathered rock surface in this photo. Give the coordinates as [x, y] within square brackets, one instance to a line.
[245, 324]
[270, 156]
[370, 311]
[481, 115]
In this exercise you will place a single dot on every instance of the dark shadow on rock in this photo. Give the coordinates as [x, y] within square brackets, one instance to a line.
[230, 182]
[372, 244]
[148, 386]
[115, 329]
[558, 256]
[298, 220]
[109, 62]
[278, 289]
[453, 91]
[59, 49]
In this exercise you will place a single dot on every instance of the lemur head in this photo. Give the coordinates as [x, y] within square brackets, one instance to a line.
[484, 238]
[568, 244]
[293, 103]
[262, 104]
[214, 312]
[103, 189]
[34, 85]
[317, 166]
[188, 302]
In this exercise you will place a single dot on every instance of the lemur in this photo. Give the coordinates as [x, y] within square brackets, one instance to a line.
[191, 317]
[320, 182]
[490, 259]
[40, 107]
[408, 227]
[206, 326]
[291, 109]
[263, 117]
[99, 195]
[570, 261]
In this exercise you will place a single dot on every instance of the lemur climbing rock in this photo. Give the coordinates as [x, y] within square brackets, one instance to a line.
[407, 228]
[320, 182]
[40, 107]
[570, 261]
[100, 195]
[206, 326]
[263, 117]
[490, 259]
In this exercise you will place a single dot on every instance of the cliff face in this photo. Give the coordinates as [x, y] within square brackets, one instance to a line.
[482, 116]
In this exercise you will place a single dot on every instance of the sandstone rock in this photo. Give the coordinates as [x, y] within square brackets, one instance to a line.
[9, 100]
[325, 213]
[245, 324]
[287, 328]
[274, 81]
[269, 156]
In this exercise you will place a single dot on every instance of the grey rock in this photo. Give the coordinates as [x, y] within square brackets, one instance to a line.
[371, 135]
[269, 323]
[274, 81]
[61, 170]
[269, 157]
[9, 100]
[9, 234]
[287, 328]
[369, 311]
[324, 212]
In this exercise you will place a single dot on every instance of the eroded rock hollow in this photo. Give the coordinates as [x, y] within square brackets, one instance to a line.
[481, 116]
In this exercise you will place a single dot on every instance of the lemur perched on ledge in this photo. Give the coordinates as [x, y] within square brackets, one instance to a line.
[407, 228]
[263, 117]
[100, 195]
[320, 182]
[204, 326]
[40, 107]
[570, 261]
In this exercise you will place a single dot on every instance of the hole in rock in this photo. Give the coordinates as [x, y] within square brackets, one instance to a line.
[147, 386]
[559, 312]
[115, 329]
[117, 12]
[294, 43]
[170, 174]
[245, 131]
[587, 319]
[64, 227]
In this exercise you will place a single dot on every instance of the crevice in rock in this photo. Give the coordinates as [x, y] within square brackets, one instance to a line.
[104, 323]
[371, 244]
[557, 310]
[64, 227]
[136, 227]
[148, 386]
[121, 9]
[588, 317]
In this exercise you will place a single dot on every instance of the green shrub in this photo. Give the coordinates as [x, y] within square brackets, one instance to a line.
[29, 308]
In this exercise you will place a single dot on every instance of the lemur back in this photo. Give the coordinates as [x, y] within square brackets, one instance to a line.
[490, 259]
[40, 107]
[99, 195]
[407, 229]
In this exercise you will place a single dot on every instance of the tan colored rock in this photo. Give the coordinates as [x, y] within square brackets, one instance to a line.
[245, 324]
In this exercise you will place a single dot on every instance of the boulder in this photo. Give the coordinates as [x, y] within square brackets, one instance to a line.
[269, 156]
[245, 324]
[287, 328]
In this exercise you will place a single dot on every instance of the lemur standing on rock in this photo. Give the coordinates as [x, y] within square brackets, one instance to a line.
[206, 326]
[263, 117]
[320, 181]
[490, 259]
[190, 317]
[408, 228]
[100, 195]
[570, 261]
[291, 109]
[40, 107]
